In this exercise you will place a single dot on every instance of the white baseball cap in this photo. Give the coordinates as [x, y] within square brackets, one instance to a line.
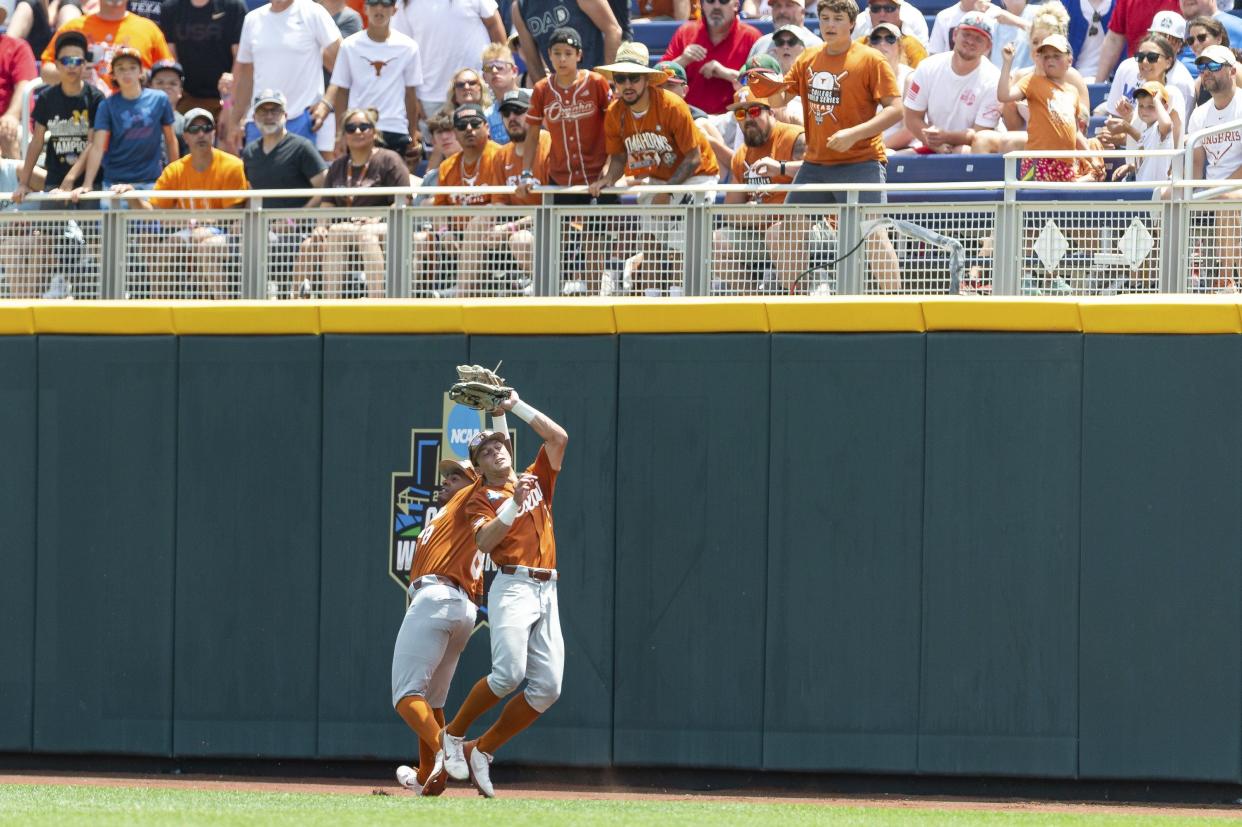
[1170, 23]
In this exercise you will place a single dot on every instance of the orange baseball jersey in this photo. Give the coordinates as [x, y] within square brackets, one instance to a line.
[446, 547]
[509, 168]
[453, 173]
[106, 36]
[838, 92]
[574, 117]
[655, 144]
[780, 146]
[530, 541]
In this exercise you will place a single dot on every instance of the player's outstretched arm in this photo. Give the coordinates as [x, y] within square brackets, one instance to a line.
[554, 436]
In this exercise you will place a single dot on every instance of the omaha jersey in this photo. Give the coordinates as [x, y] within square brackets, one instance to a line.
[574, 117]
[780, 146]
[655, 144]
[838, 92]
[530, 541]
[446, 547]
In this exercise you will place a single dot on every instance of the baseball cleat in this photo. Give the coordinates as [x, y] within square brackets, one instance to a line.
[438, 779]
[480, 769]
[408, 778]
[454, 758]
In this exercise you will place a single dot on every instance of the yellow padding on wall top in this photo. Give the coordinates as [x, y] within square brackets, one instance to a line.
[1161, 314]
[369, 316]
[16, 319]
[726, 315]
[117, 318]
[1002, 314]
[847, 314]
[594, 316]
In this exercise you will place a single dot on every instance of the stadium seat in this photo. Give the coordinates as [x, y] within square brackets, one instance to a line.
[939, 169]
[1099, 93]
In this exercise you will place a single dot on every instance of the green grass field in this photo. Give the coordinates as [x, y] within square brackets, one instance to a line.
[33, 805]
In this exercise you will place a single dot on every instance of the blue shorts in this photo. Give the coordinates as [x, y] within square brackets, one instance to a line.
[301, 125]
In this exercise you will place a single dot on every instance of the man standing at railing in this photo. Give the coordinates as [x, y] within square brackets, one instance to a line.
[195, 253]
[850, 96]
[1218, 157]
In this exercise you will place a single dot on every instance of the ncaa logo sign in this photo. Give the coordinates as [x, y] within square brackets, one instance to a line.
[461, 425]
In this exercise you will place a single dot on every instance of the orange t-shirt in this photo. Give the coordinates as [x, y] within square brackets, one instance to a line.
[841, 91]
[655, 144]
[452, 175]
[780, 146]
[530, 541]
[1054, 108]
[574, 118]
[912, 51]
[446, 547]
[105, 36]
[225, 173]
[509, 168]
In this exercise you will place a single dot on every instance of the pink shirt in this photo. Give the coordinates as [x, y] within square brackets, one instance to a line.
[712, 95]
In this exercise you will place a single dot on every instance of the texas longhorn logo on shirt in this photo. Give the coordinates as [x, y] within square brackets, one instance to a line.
[378, 65]
[825, 94]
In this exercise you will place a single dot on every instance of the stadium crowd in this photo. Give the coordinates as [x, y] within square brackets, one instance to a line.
[211, 95]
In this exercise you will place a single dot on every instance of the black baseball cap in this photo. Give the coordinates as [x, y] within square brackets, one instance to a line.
[567, 35]
[468, 110]
[169, 65]
[515, 99]
[72, 38]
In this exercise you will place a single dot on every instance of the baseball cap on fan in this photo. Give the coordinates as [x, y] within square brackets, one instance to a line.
[567, 35]
[978, 22]
[1217, 53]
[482, 438]
[1170, 23]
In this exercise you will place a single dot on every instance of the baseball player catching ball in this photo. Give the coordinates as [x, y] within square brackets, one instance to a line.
[511, 517]
[446, 581]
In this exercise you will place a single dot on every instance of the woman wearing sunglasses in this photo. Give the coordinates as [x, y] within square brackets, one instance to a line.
[351, 250]
[1155, 57]
[465, 87]
[1202, 32]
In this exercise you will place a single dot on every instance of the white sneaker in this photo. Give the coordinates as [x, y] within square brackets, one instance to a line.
[407, 778]
[454, 757]
[480, 770]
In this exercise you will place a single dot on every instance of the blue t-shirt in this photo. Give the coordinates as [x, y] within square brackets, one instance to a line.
[135, 145]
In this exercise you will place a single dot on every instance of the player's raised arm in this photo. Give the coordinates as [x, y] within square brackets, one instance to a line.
[554, 436]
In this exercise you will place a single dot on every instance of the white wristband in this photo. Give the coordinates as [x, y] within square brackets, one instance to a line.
[524, 412]
[499, 424]
[508, 512]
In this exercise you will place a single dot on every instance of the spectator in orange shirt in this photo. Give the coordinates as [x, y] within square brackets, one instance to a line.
[108, 30]
[196, 252]
[511, 164]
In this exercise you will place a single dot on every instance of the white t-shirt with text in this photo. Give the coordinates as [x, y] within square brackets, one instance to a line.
[1224, 149]
[954, 102]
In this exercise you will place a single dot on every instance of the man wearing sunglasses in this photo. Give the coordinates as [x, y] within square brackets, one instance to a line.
[380, 69]
[886, 11]
[501, 75]
[951, 97]
[712, 51]
[63, 118]
[109, 30]
[1210, 8]
[898, 12]
[1219, 157]
[785, 13]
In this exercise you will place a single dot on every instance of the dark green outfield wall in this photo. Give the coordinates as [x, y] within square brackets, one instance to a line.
[950, 553]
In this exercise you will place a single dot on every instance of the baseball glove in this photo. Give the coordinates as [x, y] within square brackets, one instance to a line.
[479, 388]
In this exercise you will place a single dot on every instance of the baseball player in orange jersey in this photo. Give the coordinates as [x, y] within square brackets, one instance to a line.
[446, 581]
[511, 516]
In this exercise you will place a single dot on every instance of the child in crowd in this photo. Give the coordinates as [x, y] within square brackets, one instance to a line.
[131, 129]
[501, 73]
[1054, 108]
[1151, 128]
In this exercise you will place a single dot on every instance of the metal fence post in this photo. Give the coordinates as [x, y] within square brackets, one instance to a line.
[1175, 246]
[696, 272]
[112, 253]
[849, 234]
[1007, 250]
[546, 278]
[398, 270]
[254, 249]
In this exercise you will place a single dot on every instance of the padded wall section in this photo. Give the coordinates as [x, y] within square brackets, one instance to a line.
[574, 380]
[1000, 555]
[18, 418]
[248, 506]
[1162, 558]
[692, 506]
[376, 390]
[846, 503]
[107, 454]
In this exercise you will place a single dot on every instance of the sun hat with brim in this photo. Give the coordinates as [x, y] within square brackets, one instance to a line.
[633, 59]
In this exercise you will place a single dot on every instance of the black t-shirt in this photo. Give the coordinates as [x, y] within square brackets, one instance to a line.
[204, 39]
[40, 33]
[150, 9]
[67, 121]
[290, 165]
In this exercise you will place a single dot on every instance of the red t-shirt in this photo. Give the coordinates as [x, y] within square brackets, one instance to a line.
[16, 64]
[712, 95]
[1132, 18]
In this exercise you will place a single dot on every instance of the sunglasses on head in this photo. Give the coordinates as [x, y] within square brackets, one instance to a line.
[361, 126]
[1212, 66]
[887, 37]
[1150, 57]
[621, 78]
[71, 61]
[468, 123]
[462, 84]
[1197, 38]
[784, 41]
[199, 129]
[883, 8]
[751, 112]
